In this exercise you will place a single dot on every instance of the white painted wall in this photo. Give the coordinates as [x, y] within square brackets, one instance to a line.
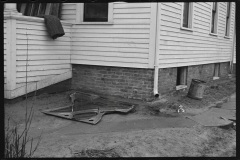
[183, 48]
[5, 56]
[125, 43]
[68, 12]
[45, 57]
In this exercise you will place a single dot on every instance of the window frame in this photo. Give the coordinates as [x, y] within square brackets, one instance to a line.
[190, 17]
[80, 14]
[228, 25]
[215, 21]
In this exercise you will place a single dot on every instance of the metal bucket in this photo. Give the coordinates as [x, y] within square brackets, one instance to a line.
[196, 89]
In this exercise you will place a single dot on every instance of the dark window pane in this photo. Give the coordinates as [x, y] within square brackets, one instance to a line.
[214, 6]
[95, 12]
[213, 19]
[28, 9]
[54, 9]
[35, 9]
[42, 8]
[19, 7]
[185, 14]
[228, 9]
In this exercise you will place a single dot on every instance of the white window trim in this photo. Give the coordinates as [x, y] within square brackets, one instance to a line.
[80, 10]
[192, 17]
[229, 25]
[217, 16]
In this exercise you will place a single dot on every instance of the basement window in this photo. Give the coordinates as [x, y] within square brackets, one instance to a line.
[216, 71]
[181, 78]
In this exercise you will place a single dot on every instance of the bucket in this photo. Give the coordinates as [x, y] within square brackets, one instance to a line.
[196, 89]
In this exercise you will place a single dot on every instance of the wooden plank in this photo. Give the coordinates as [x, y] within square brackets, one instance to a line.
[43, 57]
[131, 16]
[190, 56]
[42, 38]
[68, 17]
[44, 52]
[162, 61]
[38, 28]
[176, 33]
[40, 73]
[110, 59]
[115, 26]
[45, 43]
[170, 19]
[132, 10]
[43, 67]
[131, 21]
[33, 79]
[89, 35]
[110, 54]
[110, 45]
[179, 64]
[109, 30]
[36, 63]
[41, 84]
[173, 5]
[32, 23]
[117, 64]
[132, 5]
[34, 32]
[43, 47]
[68, 11]
[69, 6]
[169, 8]
[113, 40]
[134, 50]
[186, 48]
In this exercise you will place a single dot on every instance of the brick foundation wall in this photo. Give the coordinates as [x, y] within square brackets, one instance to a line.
[126, 82]
[167, 78]
[201, 72]
[224, 69]
[137, 83]
[234, 68]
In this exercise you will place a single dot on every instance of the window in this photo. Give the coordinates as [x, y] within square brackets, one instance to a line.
[37, 9]
[216, 71]
[228, 19]
[214, 18]
[187, 15]
[94, 13]
[181, 78]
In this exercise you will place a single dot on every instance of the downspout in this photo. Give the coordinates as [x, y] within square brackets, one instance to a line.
[233, 45]
[155, 87]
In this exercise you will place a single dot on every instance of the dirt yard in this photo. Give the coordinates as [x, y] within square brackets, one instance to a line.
[155, 142]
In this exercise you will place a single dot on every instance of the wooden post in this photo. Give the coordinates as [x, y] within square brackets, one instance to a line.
[11, 54]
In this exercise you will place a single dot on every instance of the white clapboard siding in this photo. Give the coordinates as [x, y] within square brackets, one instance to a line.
[4, 52]
[68, 12]
[179, 47]
[38, 54]
[125, 43]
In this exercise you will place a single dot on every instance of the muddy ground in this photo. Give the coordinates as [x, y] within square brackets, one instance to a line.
[155, 142]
